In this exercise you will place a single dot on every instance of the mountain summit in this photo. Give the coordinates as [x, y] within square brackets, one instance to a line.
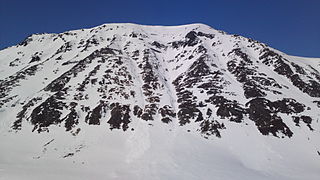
[127, 101]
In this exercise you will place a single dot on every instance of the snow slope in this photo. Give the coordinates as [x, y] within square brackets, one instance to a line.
[127, 101]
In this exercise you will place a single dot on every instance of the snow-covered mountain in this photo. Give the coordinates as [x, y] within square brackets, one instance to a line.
[127, 101]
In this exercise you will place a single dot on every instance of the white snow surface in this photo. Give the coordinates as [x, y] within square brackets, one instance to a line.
[153, 150]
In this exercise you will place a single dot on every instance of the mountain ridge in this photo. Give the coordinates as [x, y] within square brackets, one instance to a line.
[189, 79]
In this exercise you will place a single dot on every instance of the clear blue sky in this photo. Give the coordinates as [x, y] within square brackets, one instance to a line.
[292, 26]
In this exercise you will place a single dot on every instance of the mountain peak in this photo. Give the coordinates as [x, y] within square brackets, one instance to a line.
[134, 85]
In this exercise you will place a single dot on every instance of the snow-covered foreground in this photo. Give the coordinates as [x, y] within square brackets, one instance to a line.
[155, 152]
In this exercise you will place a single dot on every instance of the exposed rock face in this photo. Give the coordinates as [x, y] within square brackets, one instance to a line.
[120, 73]
[120, 117]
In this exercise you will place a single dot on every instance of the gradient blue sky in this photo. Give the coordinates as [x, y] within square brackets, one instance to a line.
[292, 26]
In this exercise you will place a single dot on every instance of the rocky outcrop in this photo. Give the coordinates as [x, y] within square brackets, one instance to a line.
[118, 75]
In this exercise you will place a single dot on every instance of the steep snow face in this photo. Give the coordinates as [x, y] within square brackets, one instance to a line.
[122, 101]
